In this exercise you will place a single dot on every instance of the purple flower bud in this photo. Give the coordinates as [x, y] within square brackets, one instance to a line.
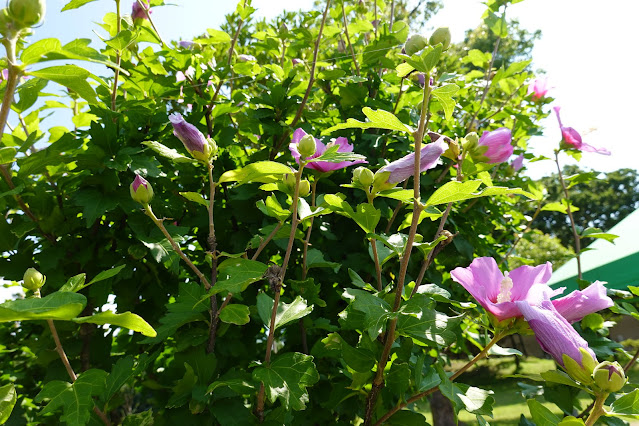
[518, 162]
[246, 58]
[554, 334]
[138, 12]
[296, 61]
[186, 44]
[375, 23]
[538, 88]
[191, 137]
[141, 190]
[402, 169]
[495, 147]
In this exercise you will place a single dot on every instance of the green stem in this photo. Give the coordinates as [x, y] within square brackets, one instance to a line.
[570, 216]
[159, 223]
[148, 17]
[348, 39]
[278, 287]
[378, 381]
[597, 410]
[496, 338]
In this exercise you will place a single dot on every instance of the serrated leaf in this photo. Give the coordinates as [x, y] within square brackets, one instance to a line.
[424, 324]
[196, 198]
[74, 4]
[121, 41]
[235, 274]
[55, 306]
[120, 374]
[287, 378]
[378, 119]
[76, 400]
[261, 171]
[627, 405]
[376, 310]
[444, 95]
[367, 217]
[167, 152]
[286, 312]
[127, 320]
[70, 76]
[8, 398]
[460, 191]
[235, 314]
[541, 415]
[94, 203]
[271, 207]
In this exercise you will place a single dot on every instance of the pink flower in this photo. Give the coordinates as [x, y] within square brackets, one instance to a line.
[518, 162]
[572, 139]
[138, 12]
[402, 169]
[538, 88]
[179, 76]
[322, 166]
[497, 146]
[498, 293]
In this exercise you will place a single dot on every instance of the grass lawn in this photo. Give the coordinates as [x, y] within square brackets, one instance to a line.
[509, 403]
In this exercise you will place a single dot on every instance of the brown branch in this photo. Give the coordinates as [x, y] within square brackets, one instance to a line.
[214, 316]
[489, 82]
[348, 40]
[572, 219]
[118, 56]
[266, 241]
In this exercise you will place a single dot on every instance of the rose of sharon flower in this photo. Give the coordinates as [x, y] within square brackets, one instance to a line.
[518, 162]
[402, 169]
[538, 88]
[194, 141]
[498, 292]
[572, 138]
[496, 145]
[554, 334]
[322, 166]
[137, 12]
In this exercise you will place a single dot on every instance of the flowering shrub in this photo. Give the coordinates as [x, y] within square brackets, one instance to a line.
[189, 254]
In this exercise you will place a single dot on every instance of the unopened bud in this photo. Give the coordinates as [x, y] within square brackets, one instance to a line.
[289, 181]
[307, 146]
[27, 12]
[363, 176]
[414, 44]
[441, 35]
[33, 279]
[6, 23]
[470, 142]
[141, 190]
[212, 147]
[305, 188]
[609, 376]
[580, 371]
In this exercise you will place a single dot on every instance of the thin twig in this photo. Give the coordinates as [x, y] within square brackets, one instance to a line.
[148, 16]
[520, 236]
[266, 241]
[118, 56]
[311, 80]
[210, 347]
[489, 82]
[176, 247]
[570, 216]
[348, 40]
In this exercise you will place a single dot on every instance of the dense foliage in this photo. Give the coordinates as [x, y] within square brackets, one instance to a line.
[261, 275]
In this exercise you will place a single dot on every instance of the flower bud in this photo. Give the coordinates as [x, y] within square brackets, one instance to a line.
[289, 181]
[246, 58]
[139, 12]
[194, 141]
[307, 146]
[363, 176]
[609, 376]
[469, 143]
[580, 370]
[33, 279]
[305, 188]
[440, 35]
[141, 190]
[27, 12]
[414, 44]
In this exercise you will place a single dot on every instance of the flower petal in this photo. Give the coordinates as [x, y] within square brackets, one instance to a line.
[481, 279]
[580, 303]
[525, 277]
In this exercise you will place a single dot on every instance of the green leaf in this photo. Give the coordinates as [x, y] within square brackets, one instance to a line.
[235, 274]
[7, 154]
[196, 198]
[235, 314]
[167, 152]
[8, 398]
[541, 415]
[286, 312]
[56, 306]
[75, 283]
[76, 400]
[460, 191]
[315, 259]
[121, 41]
[332, 156]
[580, 178]
[145, 418]
[571, 421]
[627, 405]
[305, 211]
[271, 207]
[477, 58]
[286, 379]
[308, 290]
[424, 324]
[376, 310]
[261, 171]
[74, 4]
[557, 376]
[183, 389]
[127, 320]
[444, 95]
[403, 195]
[106, 274]
[70, 76]
[425, 60]
[367, 217]
[95, 203]
[497, 24]
[217, 36]
[378, 119]
[559, 207]
[120, 374]
[598, 233]
[398, 379]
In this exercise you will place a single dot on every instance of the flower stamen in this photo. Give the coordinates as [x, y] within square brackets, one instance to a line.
[506, 286]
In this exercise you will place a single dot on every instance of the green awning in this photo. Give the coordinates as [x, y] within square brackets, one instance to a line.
[615, 263]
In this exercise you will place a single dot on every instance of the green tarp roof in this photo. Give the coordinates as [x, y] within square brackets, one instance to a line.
[616, 263]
